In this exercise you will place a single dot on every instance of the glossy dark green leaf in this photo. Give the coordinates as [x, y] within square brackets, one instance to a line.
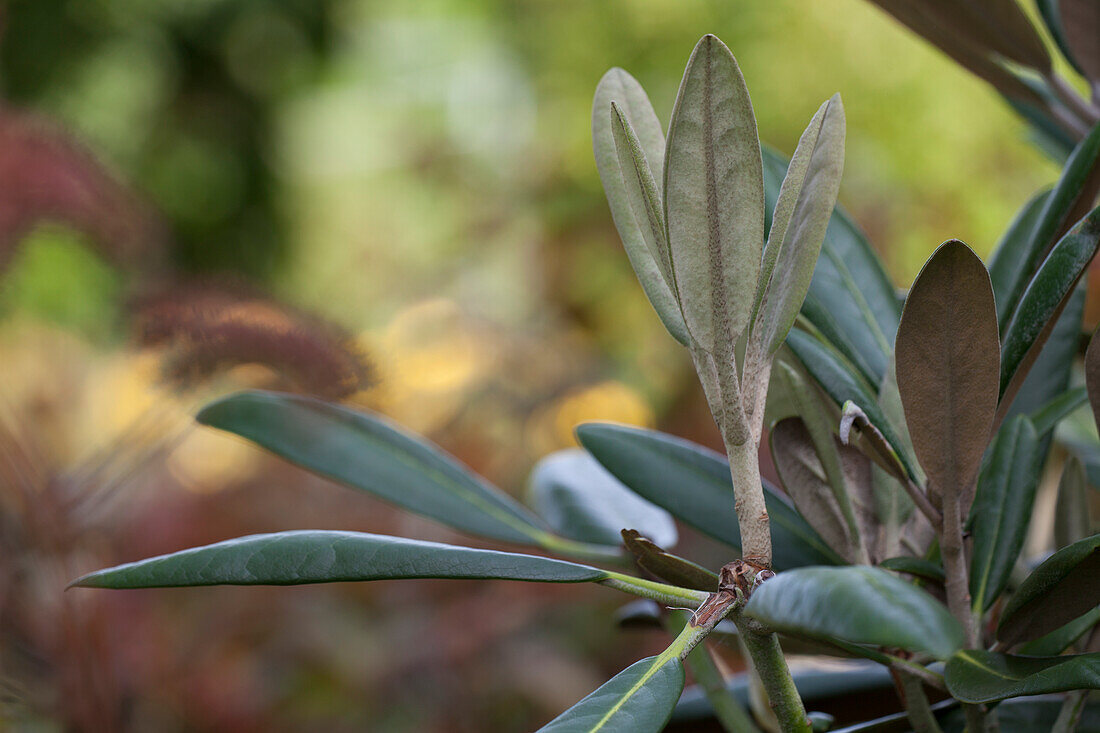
[858, 604]
[1092, 375]
[1071, 510]
[693, 483]
[802, 212]
[639, 699]
[1081, 24]
[582, 501]
[919, 567]
[1060, 639]
[1002, 509]
[666, 566]
[368, 452]
[978, 676]
[620, 87]
[1011, 258]
[1051, 219]
[1066, 585]
[947, 355]
[1044, 300]
[309, 556]
[714, 197]
[843, 384]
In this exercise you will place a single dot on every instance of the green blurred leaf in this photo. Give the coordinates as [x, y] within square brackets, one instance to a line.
[857, 604]
[666, 566]
[1044, 300]
[1061, 638]
[309, 556]
[693, 483]
[1066, 585]
[1002, 509]
[978, 676]
[714, 197]
[639, 699]
[582, 501]
[947, 355]
[369, 452]
[843, 384]
[915, 566]
[1052, 19]
[1046, 418]
[620, 87]
[1071, 512]
[1081, 23]
[802, 212]
[1092, 375]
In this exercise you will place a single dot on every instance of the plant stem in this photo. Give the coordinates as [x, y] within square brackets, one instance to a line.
[771, 666]
[752, 513]
[670, 595]
[916, 705]
[1080, 107]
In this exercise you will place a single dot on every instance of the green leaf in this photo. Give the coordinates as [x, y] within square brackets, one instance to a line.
[977, 676]
[947, 356]
[1013, 261]
[801, 216]
[1061, 638]
[693, 483]
[843, 384]
[1052, 18]
[1002, 509]
[620, 87]
[1044, 300]
[1092, 375]
[851, 300]
[915, 566]
[1051, 219]
[369, 452]
[1071, 512]
[714, 197]
[666, 566]
[582, 501]
[1046, 418]
[1065, 586]
[857, 604]
[639, 699]
[1082, 28]
[308, 556]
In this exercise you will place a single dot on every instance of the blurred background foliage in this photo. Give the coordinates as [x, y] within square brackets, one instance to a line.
[419, 177]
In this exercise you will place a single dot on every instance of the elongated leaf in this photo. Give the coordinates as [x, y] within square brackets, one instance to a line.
[693, 483]
[1092, 375]
[803, 476]
[1043, 301]
[1061, 638]
[640, 698]
[1051, 220]
[1013, 256]
[856, 604]
[948, 363]
[801, 216]
[582, 501]
[1071, 513]
[977, 676]
[919, 567]
[620, 87]
[841, 382]
[1046, 418]
[714, 197]
[1065, 586]
[1002, 509]
[309, 556]
[666, 566]
[1052, 18]
[1081, 23]
[368, 452]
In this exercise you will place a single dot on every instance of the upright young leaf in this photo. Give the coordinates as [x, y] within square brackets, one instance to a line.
[714, 197]
[978, 676]
[368, 452]
[857, 604]
[1065, 586]
[1044, 300]
[620, 87]
[801, 216]
[1002, 509]
[1008, 265]
[948, 362]
[310, 556]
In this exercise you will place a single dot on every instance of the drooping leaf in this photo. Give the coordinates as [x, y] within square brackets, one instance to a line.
[858, 604]
[1044, 300]
[620, 87]
[582, 501]
[1066, 585]
[857, 429]
[1049, 222]
[947, 355]
[368, 452]
[917, 566]
[310, 556]
[843, 384]
[1081, 24]
[1013, 255]
[801, 216]
[714, 197]
[803, 475]
[1071, 512]
[693, 483]
[978, 676]
[640, 698]
[1092, 375]
[1002, 509]
[666, 566]
[1060, 639]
